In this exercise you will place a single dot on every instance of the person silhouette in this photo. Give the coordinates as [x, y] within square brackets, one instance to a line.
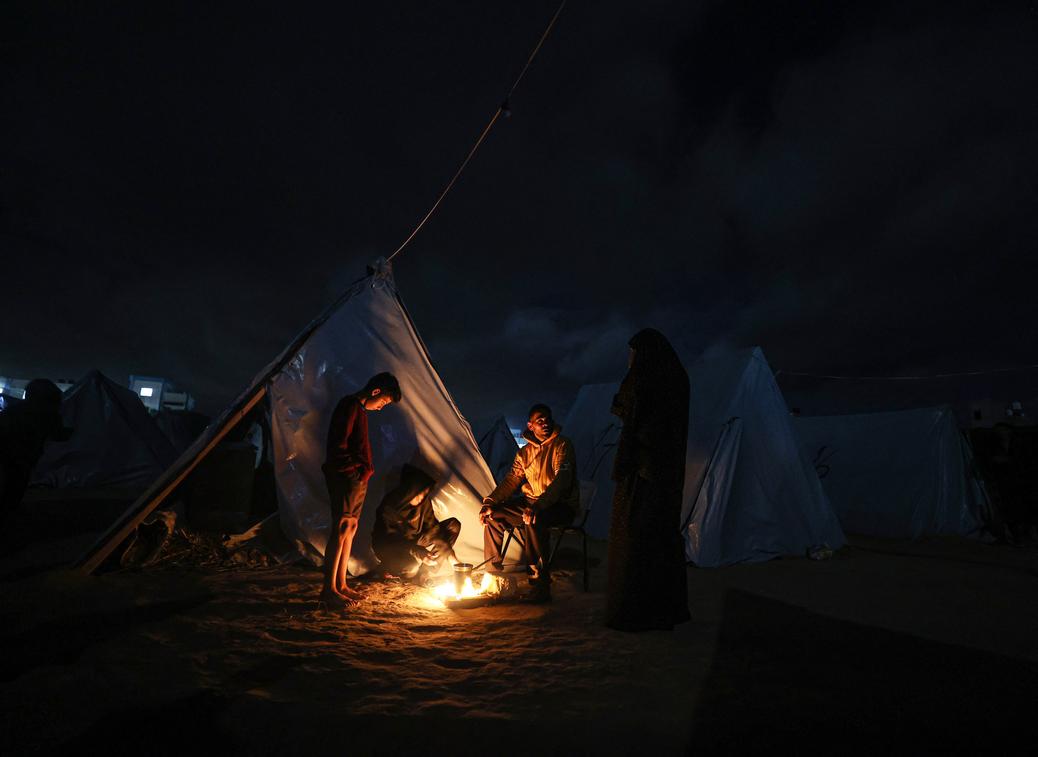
[25, 429]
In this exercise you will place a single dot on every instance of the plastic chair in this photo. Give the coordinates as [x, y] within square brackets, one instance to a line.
[587, 495]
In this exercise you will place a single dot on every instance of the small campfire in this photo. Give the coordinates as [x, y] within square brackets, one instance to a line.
[461, 592]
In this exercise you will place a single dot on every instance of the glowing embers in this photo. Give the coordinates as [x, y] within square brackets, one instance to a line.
[490, 589]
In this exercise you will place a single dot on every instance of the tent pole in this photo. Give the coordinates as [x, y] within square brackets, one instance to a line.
[155, 494]
[147, 502]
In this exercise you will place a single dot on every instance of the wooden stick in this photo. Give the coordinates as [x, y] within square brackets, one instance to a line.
[148, 501]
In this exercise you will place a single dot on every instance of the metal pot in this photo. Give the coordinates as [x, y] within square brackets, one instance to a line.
[462, 570]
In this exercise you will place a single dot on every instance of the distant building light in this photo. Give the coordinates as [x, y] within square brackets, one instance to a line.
[147, 391]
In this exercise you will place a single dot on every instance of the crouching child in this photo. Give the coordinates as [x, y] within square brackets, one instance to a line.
[407, 538]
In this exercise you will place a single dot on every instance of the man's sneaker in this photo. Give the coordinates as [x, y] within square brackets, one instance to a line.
[539, 594]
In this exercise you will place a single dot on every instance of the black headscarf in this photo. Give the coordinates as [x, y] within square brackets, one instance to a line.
[653, 405]
[397, 515]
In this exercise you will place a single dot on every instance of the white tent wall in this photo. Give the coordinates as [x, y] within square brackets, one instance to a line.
[902, 474]
[594, 432]
[370, 333]
[499, 448]
[749, 494]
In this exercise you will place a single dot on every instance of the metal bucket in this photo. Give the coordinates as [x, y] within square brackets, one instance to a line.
[462, 570]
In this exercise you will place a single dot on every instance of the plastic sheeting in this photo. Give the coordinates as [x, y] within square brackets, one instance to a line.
[114, 442]
[499, 448]
[749, 494]
[371, 332]
[903, 474]
[594, 432]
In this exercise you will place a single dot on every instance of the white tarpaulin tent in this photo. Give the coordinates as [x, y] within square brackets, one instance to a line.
[369, 333]
[499, 448]
[902, 474]
[749, 495]
[114, 442]
[366, 331]
[594, 432]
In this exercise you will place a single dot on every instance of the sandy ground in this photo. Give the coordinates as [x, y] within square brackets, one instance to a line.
[894, 647]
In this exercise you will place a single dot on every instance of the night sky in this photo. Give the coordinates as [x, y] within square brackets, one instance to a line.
[851, 186]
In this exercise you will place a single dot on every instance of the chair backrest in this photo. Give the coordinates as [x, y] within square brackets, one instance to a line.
[587, 496]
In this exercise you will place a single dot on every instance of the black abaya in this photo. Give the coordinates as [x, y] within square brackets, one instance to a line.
[647, 586]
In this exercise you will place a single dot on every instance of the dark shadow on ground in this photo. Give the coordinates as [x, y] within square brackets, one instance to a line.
[192, 725]
[786, 680]
[45, 520]
[63, 642]
[212, 723]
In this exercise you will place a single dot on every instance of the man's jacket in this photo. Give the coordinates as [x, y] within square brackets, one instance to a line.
[547, 471]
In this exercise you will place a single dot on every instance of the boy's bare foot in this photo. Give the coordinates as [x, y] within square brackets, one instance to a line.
[352, 594]
[335, 601]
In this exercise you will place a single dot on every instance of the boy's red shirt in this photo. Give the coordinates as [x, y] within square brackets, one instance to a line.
[348, 448]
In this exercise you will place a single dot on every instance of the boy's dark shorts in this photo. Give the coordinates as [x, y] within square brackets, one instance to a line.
[346, 494]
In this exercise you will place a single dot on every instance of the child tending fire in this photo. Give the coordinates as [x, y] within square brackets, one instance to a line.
[408, 539]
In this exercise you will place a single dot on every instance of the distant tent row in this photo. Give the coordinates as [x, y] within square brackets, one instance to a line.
[903, 474]
[749, 495]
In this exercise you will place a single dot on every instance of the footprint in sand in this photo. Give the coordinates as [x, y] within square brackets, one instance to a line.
[458, 663]
[429, 628]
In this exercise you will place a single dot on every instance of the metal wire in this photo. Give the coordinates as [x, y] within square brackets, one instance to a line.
[497, 114]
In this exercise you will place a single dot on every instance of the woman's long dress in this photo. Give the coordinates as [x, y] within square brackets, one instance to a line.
[647, 586]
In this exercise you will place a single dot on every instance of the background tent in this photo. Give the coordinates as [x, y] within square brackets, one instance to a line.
[594, 432]
[366, 331]
[114, 442]
[498, 448]
[903, 474]
[181, 427]
[749, 494]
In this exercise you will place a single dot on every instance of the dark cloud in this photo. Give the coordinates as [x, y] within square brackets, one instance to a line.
[850, 185]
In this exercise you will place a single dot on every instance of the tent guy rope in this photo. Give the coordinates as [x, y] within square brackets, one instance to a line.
[503, 108]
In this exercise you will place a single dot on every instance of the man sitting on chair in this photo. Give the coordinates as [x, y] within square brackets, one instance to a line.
[550, 496]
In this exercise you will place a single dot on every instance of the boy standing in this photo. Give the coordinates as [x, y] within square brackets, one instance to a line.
[347, 469]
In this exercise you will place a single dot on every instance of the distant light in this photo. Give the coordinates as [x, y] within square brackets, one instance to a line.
[147, 391]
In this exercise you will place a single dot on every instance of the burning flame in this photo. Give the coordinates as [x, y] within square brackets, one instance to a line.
[488, 586]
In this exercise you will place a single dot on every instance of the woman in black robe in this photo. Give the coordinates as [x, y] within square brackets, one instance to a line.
[647, 583]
